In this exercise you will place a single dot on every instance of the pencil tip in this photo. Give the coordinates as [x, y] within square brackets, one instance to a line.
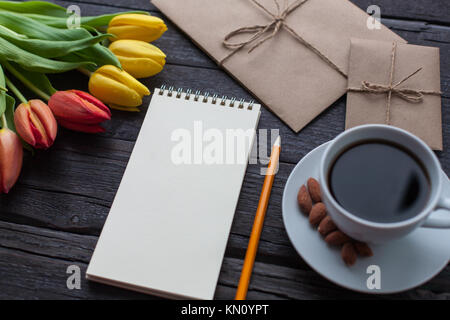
[277, 141]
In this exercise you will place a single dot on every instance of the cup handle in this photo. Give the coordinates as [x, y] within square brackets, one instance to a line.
[433, 222]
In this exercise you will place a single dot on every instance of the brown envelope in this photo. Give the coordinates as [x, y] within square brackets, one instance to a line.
[370, 61]
[287, 77]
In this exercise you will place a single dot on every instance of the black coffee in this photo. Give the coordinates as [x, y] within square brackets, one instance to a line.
[379, 181]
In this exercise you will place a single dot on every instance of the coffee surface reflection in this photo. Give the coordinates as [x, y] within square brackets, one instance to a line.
[379, 182]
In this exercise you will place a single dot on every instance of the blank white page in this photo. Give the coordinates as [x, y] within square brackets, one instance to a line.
[169, 224]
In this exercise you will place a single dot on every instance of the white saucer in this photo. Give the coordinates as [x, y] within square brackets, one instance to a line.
[404, 263]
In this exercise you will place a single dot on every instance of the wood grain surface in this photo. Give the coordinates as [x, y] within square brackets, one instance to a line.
[53, 216]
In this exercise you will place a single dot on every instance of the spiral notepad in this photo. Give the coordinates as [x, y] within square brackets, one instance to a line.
[168, 226]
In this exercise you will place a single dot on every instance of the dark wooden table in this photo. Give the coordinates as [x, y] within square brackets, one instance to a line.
[53, 216]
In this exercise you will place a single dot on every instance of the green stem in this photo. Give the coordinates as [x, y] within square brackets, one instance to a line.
[3, 89]
[15, 90]
[4, 124]
[26, 82]
[85, 71]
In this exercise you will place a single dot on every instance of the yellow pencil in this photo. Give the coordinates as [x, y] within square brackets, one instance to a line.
[250, 255]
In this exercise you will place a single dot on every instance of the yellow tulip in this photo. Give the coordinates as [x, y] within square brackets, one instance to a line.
[136, 26]
[138, 58]
[117, 88]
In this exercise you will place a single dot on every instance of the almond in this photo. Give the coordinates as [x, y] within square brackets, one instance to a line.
[348, 253]
[314, 190]
[304, 200]
[326, 226]
[318, 212]
[337, 238]
[363, 249]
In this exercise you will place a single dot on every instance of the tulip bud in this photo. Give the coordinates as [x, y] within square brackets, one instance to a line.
[136, 26]
[138, 58]
[116, 87]
[79, 111]
[36, 124]
[11, 156]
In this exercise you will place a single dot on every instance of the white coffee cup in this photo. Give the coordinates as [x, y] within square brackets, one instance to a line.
[375, 232]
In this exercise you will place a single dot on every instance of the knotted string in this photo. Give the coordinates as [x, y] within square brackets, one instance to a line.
[262, 33]
[408, 94]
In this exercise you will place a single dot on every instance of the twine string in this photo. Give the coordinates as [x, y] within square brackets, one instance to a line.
[263, 33]
[408, 94]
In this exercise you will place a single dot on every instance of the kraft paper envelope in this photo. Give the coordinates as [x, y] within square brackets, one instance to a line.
[419, 111]
[287, 76]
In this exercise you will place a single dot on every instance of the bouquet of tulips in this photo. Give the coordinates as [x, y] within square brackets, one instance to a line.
[35, 40]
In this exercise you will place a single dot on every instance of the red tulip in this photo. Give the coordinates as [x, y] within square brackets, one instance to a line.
[36, 124]
[78, 110]
[11, 154]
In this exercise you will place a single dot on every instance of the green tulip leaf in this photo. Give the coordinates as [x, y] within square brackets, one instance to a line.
[92, 21]
[72, 57]
[9, 112]
[100, 55]
[9, 117]
[32, 62]
[2, 93]
[6, 103]
[9, 33]
[96, 53]
[103, 20]
[39, 80]
[37, 30]
[35, 7]
[93, 31]
[50, 48]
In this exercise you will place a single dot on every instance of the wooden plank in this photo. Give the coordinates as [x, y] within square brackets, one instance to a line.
[122, 4]
[71, 166]
[432, 11]
[419, 33]
[330, 123]
[34, 263]
[325, 127]
[424, 10]
[71, 187]
[78, 200]
[180, 50]
[93, 171]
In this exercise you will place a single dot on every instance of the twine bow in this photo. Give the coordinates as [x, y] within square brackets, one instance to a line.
[408, 94]
[262, 33]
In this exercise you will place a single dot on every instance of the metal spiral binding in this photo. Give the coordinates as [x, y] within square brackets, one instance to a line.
[223, 100]
[188, 94]
[199, 97]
